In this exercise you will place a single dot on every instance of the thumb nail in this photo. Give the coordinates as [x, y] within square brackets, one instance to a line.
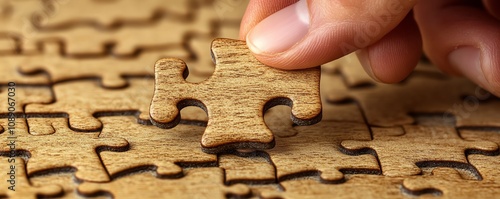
[468, 61]
[281, 30]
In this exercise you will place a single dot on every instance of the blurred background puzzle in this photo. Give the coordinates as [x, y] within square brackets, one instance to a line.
[84, 78]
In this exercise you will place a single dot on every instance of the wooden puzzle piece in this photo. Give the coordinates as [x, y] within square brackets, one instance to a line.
[400, 150]
[343, 112]
[149, 146]
[476, 112]
[65, 180]
[17, 185]
[22, 96]
[82, 100]
[60, 148]
[486, 165]
[109, 69]
[9, 65]
[357, 186]
[317, 149]
[252, 169]
[450, 184]
[105, 13]
[197, 183]
[237, 94]
[126, 40]
[391, 105]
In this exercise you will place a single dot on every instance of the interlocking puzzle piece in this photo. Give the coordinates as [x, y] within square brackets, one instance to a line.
[399, 150]
[49, 153]
[82, 100]
[476, 112]
[252, 169]
[105, 13]
[24, 95]
[109, 69]
[449, 182]
[64, 179]
[17, 185]
[126, 40]
[236, 95]
[150, 146]
[9, 65]
[391, 105]
[317, 149]
[486, 165]
[358, 186]
[197, 183]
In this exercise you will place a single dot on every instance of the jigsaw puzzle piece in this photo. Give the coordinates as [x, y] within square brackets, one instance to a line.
[357, 186]
[197, 183]
[237, 94]
[316, 149]
[164, 149]
[449, 183]
[81, 100]
[64, 154]
[16, 184]
[251, 169]
[65, 180]
[391, 105]
[486, 165]
[22, 96]
[400, 150]
[111, 70]
[106, 14]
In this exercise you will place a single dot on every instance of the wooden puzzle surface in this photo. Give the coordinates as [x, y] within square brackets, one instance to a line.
[81, 106]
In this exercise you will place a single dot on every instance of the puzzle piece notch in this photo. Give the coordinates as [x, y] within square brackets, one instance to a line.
[237, 94]
[448, 183]
[393, 147]
[486, 165]
[197, 183]
[24, 95]
[164, 149]
[84, 159]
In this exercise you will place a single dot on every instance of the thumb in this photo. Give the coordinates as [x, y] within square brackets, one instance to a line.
[310, 33]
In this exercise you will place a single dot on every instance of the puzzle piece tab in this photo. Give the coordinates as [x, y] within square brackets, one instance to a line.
[235, 96]
[197, 183]
[24, 95]
[61, 149]
[153, 147]
[16, 184]
[400, 149]
[449, 182]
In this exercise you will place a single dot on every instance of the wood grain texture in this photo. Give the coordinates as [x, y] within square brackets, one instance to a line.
[65, 180]
[448, 183]
[24, 95]
[109, 69]
[22, 187]
[81, 100]
[486, 165]
[149, 146]
[197, 183]
[391, 105]
[237, 94]
[59, 147]
[104, 14]
[295, 156]
[357, 186]
[401, 149]
[251, 170]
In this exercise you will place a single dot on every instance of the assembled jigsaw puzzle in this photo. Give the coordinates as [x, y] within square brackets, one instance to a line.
[158, 99]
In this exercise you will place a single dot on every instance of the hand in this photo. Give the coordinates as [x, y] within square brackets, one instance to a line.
[462, 37]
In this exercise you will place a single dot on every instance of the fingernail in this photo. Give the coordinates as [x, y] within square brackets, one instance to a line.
[468, 61]
[281, 30]
[364, 59]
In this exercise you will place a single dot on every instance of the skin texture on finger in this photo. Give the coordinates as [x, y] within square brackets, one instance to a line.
[493, 7]
[393, 57]
[338, 28]
[257, 10]
[451, 29]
